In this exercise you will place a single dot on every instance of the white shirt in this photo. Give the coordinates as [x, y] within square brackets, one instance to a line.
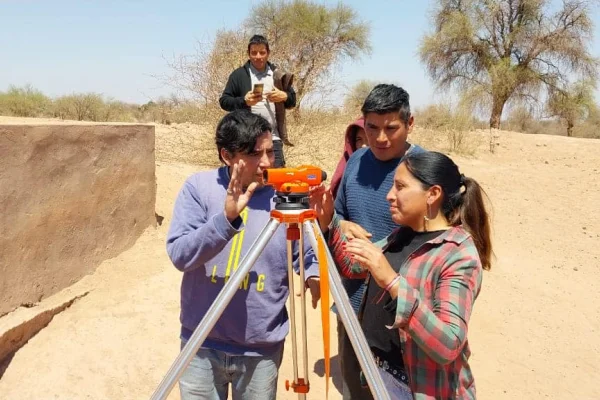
[264, 107]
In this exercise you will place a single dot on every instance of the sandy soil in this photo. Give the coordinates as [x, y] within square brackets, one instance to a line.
[534, 333]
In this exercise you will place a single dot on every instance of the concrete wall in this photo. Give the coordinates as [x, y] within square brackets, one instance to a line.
[71, 196]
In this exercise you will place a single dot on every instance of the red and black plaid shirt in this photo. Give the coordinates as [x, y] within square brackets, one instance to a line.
[439, 284]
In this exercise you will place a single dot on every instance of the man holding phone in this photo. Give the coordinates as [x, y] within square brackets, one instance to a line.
[260, 87]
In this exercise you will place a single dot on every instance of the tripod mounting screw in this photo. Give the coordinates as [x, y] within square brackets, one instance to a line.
[293, 232]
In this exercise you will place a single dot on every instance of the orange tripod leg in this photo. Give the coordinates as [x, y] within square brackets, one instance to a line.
[294, 232]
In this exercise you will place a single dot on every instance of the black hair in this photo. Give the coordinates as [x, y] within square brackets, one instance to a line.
[460, 207]
[238, 131]
[353, 134]
[258, 39]
[387, 98]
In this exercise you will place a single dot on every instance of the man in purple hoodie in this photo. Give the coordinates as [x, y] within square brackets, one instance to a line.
[217, 216]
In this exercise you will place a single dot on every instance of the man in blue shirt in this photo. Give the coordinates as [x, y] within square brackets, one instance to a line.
[361, 199]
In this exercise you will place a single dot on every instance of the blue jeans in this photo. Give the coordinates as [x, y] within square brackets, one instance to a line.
[210, 372]
[396, 389]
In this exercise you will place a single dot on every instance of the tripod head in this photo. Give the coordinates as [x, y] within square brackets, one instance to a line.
[292, 185]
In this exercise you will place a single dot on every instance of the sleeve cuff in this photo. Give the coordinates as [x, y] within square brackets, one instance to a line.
[335, 222]
[406, 304]
[225, 228]
[236, 223]
[312, 271]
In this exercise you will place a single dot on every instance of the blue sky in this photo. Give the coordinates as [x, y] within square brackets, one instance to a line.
[118, 47]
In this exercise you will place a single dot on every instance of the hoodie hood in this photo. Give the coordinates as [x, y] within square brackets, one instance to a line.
[349, 148]
[350, 138]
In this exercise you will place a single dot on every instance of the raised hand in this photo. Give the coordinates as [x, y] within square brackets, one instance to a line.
[237, 198]
[321, 200]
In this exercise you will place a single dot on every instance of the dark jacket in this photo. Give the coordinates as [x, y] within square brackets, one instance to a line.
[240, 83]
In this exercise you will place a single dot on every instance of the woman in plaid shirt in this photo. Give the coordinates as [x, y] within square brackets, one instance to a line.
[422, 279]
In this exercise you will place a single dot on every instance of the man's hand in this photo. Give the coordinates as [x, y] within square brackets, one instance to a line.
[354, 231]
[321, 200]
[252, 98]
[277, 96]
[372, 258]
[313, 284]
[236, 199]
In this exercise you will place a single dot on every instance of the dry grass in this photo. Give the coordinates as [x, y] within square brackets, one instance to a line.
[317, 137]
[450, 130]
[318, 140]
[467, 143]
[186, 143]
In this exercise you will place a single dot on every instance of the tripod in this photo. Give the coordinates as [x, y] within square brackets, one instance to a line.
[293, 211]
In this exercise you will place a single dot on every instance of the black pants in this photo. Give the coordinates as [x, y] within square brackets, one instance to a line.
[351, 386]
[278, 149]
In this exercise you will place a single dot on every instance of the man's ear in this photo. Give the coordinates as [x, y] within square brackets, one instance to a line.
[226, 156]
[411, 123]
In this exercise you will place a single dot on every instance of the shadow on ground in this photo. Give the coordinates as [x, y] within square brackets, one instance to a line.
[336, 372]
[5, 363]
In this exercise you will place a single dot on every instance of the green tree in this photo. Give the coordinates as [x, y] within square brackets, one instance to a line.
[591, 127]
[309, 39]
[80, 106]
[24, 102]
[63, 108]
[355, 98]
[521, 118]
[306, 38]
[508, 49]
[573, 103]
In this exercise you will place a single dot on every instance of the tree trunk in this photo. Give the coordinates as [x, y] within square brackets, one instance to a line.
[570, 126]
[296, 110]
[497, 107]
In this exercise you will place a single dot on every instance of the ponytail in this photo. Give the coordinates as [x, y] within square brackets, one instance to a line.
[473, 216]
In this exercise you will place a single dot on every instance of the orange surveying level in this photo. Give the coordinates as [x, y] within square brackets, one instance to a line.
[289, 180]
[292, 185]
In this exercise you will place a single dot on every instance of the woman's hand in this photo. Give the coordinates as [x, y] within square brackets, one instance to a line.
[237, 199]
[372, 258]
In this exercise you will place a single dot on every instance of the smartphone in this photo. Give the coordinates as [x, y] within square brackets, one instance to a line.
[258, 88]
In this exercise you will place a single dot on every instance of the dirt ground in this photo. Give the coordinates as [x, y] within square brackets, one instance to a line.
[534, 333]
